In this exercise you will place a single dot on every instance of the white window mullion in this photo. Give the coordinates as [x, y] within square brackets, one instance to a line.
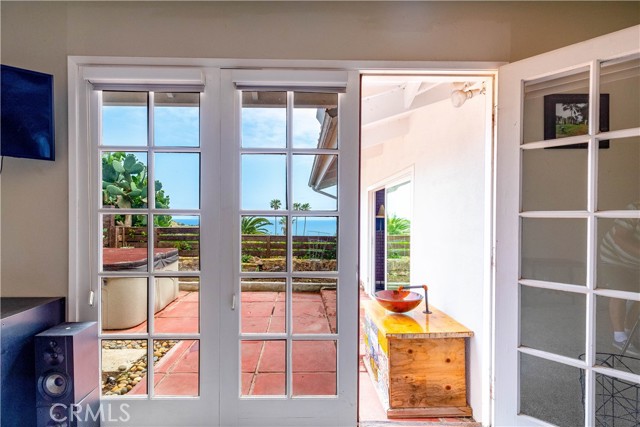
[592, 202]
[289, 261]
[151, 204]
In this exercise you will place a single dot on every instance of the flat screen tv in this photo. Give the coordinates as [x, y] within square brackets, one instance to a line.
[27, 114]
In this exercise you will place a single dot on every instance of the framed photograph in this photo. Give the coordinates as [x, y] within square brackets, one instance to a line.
[567, 115]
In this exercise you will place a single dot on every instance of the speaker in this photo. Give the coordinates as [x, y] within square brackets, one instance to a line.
[67, 375]
[22, 318]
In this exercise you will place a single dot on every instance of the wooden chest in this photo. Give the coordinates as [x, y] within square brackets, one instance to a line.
[417, 362]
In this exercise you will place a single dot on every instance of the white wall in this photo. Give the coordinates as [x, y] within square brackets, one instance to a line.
[447, 147]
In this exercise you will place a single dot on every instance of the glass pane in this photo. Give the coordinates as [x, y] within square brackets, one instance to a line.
[124, 180]
[264, 119]
[124, 118]
[619, 174]
[398, 229]
[554, 250]
[616, 401]
[557, 107]
[177, 305]
[551, 391]
[264, 243]
[124, 367]
[177, 119]
[315, 120]
[263, 367]
[315, 182]
[314, 305]
[552, 321]
[124, 248]
[263, 304]
[615, 322]
[124, 305]
[554, 179]
[315, 243]
[264, 181]
[618, 253]
[314, 368]
[177, 180]
[176, 367]
[177, 242]
[620, 79]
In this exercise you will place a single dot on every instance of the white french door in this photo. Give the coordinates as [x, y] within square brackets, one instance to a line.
[289, 286]
[214, 240]
[568, 230]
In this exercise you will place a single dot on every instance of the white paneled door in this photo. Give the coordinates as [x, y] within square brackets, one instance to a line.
[568, 236]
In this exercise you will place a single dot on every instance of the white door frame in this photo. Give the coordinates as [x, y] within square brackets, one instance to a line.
[82, 261]
[506, 334]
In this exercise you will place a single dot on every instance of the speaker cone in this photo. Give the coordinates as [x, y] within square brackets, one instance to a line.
[55, 384]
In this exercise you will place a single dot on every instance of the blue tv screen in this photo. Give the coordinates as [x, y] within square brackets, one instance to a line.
[27, 114]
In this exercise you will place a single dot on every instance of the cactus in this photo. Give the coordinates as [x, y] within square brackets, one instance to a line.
[124, 184]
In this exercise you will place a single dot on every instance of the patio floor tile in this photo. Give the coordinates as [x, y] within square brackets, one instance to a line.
[178, 384]
[306, 296]
[280, 308]
[250, 355]
[314, 356]
[174, 355]
[263, 309]
[330, 306]
[273, 357]
[180, 309]
[178, 325]
[255, 324]
[314, 383]
[311, 325]
[277, 324]
[191, 297]
[190, 360]
[269, 384]
[247, 379]
[308, 308]
[258, 296]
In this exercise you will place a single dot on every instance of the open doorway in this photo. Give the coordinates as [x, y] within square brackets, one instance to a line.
[425, 203]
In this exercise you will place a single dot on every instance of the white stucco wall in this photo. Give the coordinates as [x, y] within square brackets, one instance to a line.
[447, 148]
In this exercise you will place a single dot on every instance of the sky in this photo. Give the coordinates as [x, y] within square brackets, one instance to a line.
[263, 176]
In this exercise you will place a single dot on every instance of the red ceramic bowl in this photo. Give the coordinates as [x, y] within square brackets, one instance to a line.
[398, 301]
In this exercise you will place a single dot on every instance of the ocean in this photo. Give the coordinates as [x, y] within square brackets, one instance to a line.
[315, 226]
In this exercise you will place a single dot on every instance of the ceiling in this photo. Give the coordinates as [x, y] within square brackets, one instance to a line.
[388, 101]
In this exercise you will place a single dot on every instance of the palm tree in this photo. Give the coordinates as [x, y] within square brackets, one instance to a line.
[275, 205]
[305, 207]
[396, 226]
[296, 207]
[254, 225]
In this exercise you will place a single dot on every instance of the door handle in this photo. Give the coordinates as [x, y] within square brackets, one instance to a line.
[233, 302]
